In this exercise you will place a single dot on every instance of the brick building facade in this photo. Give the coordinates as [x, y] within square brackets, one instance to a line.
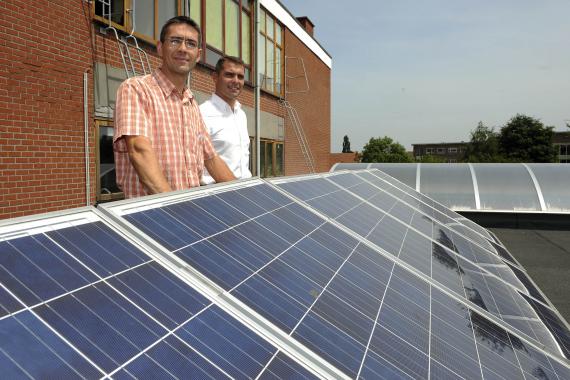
[59, 70]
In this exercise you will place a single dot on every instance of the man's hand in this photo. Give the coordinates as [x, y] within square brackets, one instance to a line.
[146, 164]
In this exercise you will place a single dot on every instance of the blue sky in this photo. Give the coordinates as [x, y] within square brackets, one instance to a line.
[429, 71]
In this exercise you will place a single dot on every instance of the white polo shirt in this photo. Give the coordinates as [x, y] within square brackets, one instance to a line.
[228, 131]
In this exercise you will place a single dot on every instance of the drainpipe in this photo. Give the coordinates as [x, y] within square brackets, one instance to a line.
[257, 90]
[86, 130]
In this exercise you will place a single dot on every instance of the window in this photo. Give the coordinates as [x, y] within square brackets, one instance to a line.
[107, 188]
[227, 31]
[563, 150]
[452, 150]
[143, 17]
[440, 150]
[271, 51]
[428, 150]
[271, 158]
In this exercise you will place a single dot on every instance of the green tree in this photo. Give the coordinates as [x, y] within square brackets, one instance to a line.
[526, 139]
[483, 146]
[384, 150]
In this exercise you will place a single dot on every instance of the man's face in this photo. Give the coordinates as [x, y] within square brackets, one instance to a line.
[177, 58]
[229, 82]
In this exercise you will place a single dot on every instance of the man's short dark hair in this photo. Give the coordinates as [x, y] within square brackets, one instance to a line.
[229, 58]
[180, 20]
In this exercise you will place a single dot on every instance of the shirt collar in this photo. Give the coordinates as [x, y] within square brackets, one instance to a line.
[168, 87]
[222, 104]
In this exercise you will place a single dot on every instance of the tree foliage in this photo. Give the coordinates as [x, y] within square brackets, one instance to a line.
[384, 150]
[526, 139]
[522, 139]
[483, 146]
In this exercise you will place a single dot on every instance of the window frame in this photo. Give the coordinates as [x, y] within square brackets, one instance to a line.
[276, 24]
[203, 25]
[263, 168]
[99, 196]
[128, 20]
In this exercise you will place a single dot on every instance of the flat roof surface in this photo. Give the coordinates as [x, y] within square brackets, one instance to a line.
[545, 254]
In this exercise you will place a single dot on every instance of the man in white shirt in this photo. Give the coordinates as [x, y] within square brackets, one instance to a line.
[225, 120]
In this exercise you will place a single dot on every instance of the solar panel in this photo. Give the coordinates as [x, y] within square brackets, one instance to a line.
[452, 260]
[246, 281]
[79, 298]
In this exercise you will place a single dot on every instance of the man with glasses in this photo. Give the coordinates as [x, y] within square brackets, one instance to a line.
[225, 120]
[160, 141]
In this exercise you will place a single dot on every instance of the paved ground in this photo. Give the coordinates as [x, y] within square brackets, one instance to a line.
[546, 257]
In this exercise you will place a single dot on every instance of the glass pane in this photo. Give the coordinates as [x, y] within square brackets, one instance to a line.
[166, 10]
[279, 155]
[278, 70]
[278, 34]
[269, 163]
[117, 11]
[450, 185]
[214, 24]
[262, 159]
[144, 17]
[505, 187]
[106, 161]
[232, 28]
[195, 11]
[270, 26]
[269, 80]
[245, 38]
[262, 21]
[245, 4]
[212, 57]
[262, 60]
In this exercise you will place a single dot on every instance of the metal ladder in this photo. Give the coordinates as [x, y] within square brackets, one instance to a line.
[137, 65]
[298, 128]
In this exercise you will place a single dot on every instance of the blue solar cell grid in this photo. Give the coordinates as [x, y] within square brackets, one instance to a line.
[343, 300]
[84, 302]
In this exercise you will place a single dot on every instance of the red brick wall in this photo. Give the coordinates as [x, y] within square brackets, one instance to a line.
[342, 158]
[44, 52]
[313, 107]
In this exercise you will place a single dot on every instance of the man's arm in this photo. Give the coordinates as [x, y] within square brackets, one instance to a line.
[219, 170]
[146, 164]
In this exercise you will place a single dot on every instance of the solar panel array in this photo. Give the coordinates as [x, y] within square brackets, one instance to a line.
[329, 276]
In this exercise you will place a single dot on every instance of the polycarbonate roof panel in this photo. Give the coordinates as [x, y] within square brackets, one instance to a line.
[501, 187]
[506, 187]
[449, 184]
[554, 181]
[405, 173]
[341, 166]
[80, 299]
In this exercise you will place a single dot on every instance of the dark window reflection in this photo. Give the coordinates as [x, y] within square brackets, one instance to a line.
[107, 161]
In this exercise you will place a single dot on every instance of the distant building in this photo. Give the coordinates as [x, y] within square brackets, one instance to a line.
[450, 152]
[561, 140]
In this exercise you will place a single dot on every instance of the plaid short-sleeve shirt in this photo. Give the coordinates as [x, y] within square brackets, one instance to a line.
[151, 106]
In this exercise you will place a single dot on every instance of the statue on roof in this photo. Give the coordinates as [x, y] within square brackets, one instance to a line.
[346, 145]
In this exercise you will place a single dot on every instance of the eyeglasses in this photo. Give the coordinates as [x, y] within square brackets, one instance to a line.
[175, 42]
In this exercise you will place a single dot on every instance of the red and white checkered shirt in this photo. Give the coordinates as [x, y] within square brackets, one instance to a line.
[151, 106]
